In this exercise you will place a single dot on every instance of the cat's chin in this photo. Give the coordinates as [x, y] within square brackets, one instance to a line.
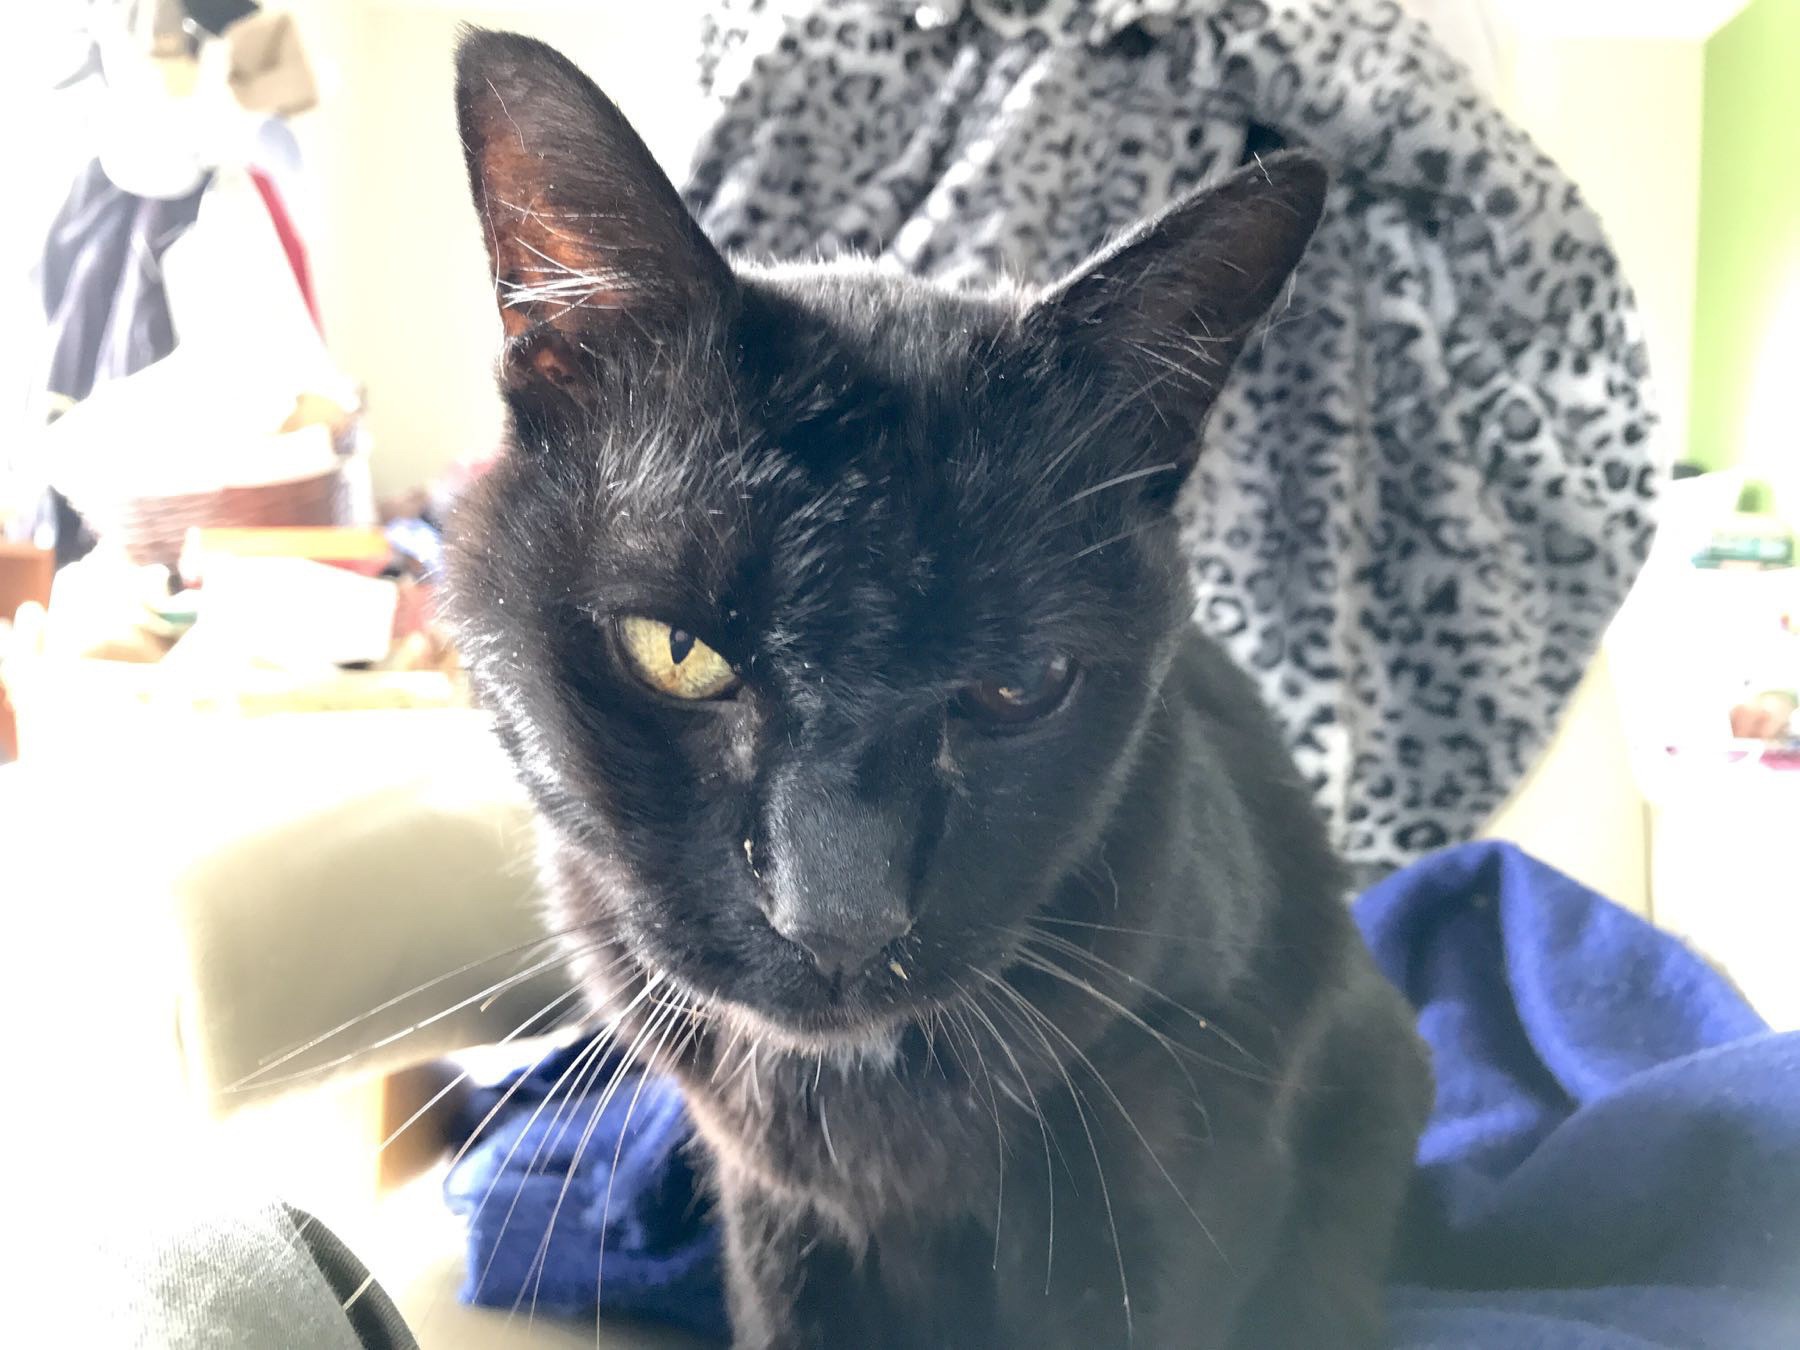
[860, 1041]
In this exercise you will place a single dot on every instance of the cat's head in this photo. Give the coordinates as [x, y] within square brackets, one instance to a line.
[824, 611]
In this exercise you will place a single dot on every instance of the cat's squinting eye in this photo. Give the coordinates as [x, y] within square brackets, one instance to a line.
[673, 661]
[1023, 696]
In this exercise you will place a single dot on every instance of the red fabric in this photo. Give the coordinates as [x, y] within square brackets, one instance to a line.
[290, 241]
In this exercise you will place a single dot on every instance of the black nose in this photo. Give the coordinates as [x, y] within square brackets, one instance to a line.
[839, 951]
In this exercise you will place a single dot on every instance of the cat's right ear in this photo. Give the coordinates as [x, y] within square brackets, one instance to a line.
[589, 242]
[1162, 314]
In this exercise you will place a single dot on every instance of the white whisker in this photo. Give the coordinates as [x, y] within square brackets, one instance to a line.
[660, 1019]
[263, 1067]
[618, 1152]
[1035, 1018]
[463, 1077]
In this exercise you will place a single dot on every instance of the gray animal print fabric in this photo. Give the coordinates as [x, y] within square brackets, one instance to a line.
[1427, 485]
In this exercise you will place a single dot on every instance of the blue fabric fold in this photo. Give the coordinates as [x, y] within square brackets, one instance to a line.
[1613, 1162]
[1614, 1155]
[632, 1232]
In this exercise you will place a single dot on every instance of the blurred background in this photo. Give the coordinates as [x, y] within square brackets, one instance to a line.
[248, 340]
[1670, 116]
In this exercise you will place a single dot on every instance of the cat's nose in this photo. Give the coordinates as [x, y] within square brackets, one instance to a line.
[834, 880]
[843, 949]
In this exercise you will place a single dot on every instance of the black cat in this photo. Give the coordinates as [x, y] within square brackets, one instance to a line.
[839, 627]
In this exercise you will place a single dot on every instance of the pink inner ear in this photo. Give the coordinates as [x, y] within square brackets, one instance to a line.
[549, 282]
[546, 273]
[580, 222]
[548, 356]
[561, 301]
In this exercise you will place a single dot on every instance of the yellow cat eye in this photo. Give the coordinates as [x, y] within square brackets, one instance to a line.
[673, 661]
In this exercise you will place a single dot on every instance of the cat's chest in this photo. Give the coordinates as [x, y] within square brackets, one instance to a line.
[865, 1143]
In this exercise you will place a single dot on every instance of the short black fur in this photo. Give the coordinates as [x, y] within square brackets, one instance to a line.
[1047, 1031]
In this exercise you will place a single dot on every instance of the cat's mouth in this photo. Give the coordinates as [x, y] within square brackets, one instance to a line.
[839, 1021]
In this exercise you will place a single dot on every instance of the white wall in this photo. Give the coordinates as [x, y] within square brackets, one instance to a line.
[402, 277]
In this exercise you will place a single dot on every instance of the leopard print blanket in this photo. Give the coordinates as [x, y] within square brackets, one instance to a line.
[1426, 488]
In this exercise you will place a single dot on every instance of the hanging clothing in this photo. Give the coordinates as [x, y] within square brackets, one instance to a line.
[107, 312]
[102, 281]
[292, 246]
[1426, 487]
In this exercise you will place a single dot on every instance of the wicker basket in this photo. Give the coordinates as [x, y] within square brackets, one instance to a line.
[152, 529]
[326, 463]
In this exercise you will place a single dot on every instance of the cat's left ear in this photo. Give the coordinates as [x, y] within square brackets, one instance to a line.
[589, 241]
[1166, 310]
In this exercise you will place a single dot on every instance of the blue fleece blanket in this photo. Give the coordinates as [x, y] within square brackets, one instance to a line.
[628, 1231]
[1613, 1162]
[1614, 1157]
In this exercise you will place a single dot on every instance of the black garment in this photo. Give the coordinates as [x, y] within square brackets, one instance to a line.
[215, 16]
[102, 281]
[367, 1307]
[104, 300]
